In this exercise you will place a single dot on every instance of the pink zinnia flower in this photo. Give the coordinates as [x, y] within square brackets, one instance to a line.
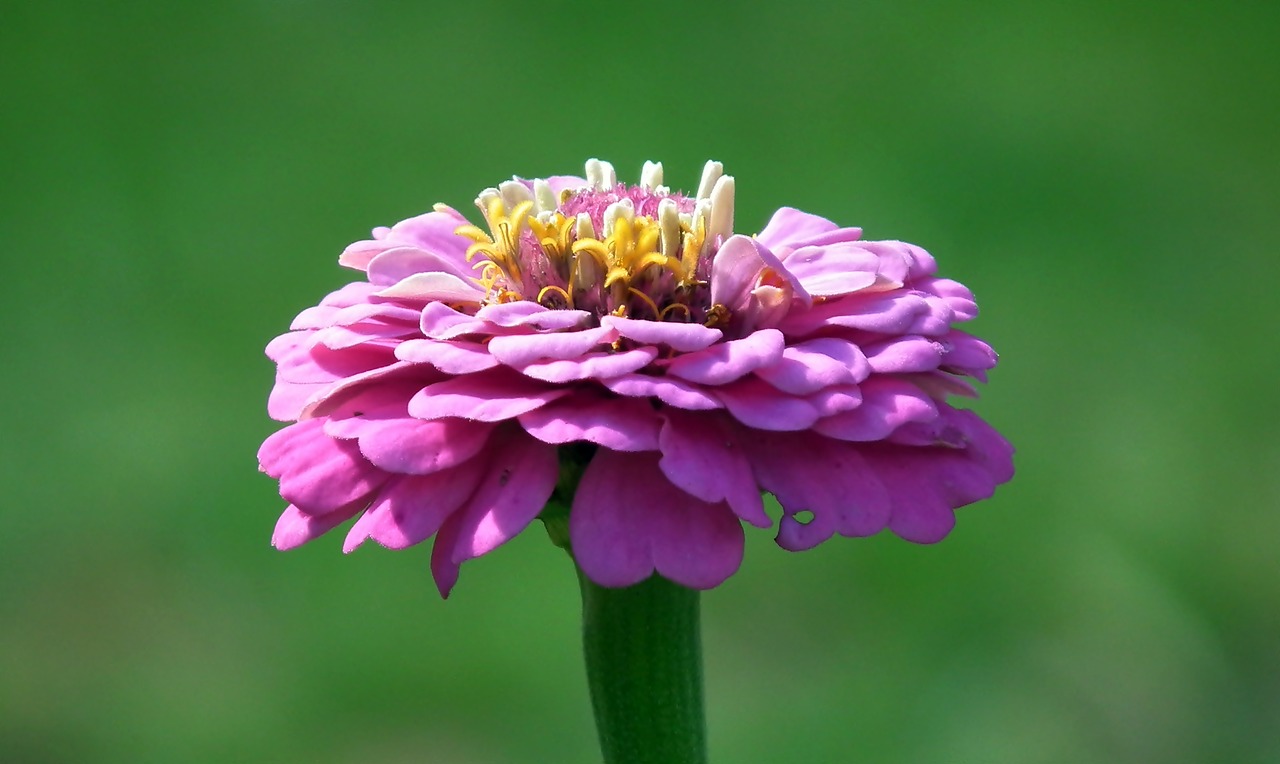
[627, 331]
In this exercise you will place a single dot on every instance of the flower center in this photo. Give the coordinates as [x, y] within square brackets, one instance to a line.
[605, 247]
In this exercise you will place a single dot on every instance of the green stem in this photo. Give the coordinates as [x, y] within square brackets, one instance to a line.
[644, 666]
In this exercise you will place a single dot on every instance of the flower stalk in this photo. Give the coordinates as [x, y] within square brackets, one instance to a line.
[644, 667]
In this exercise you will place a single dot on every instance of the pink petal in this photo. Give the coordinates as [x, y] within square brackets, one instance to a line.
[413, 507]
[926, 484]
[316, 472]
[409, 446]
[684, 338]
[901, 355]
[918, 262]
[670, 391]
[882, 312]
[433, 232]
[935, 321]
[789, 225]
[816, 364]
[834, 269]
[449, 356]
[887, 404]
[619, 424]
[726, 361]
[738, 267]
[827, 478]
[486, 397]
[528, 348]
[956, 295]
[342, 337]
[299, 360]
[352, 294]
[441, 322]
[702, 456]
[288, 400]
[967, 353]
[443, 569]
[295, 527]
[328, 396]
[521, 474]
[629, 522]
[830, 401]
[592, 366]
[524, 313]
[758, 404]
[435, 286]
[398, 263]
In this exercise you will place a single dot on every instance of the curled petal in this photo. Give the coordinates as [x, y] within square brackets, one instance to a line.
[702, 454]
[887, 404]
[672, 392]
[441, 322]
[927, 484]
[520, 476]
[449, 356]
[742, 265]
[628, 522]
[295, 527]
[758, 404]
[592, 366]
[533, 315]
[402, 444]
[435, 286]
[789, 227]
[317, 473]
[300, 360]
[828, 479]
[432, 232]
[904, 354]
[902, 261]
[524, 349]
[810, 366]
[880, 312]
[967, 354]
[398, 263]
[726, 361]
[413, 507]
[833, 270]
[619, 424]
[956, 296]
[684, 338]
[485, 397]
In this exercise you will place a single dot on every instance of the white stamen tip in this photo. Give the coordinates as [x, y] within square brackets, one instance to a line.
[595, 173]
[544, 197]
[514, 192]
[583, 227]
[668, 227]
[701, 214]
[610, 177]
[721, 223]
[651, 175]
[711, 172]
[486, 198]
[623, 208]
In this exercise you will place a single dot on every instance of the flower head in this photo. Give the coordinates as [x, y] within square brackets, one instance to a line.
[627, 331]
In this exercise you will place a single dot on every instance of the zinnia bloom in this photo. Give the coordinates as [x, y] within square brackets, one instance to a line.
[629, 333]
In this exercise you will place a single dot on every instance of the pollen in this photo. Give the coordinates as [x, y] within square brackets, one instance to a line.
[604, 247]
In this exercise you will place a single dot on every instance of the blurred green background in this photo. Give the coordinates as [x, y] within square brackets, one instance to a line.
[178, 182]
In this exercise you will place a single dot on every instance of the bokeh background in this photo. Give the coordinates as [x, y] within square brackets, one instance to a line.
[178, 180]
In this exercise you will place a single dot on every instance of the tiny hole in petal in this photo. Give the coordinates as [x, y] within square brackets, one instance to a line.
[804, 517]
